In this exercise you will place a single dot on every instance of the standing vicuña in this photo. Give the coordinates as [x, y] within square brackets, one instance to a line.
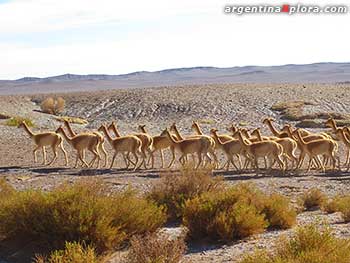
[124, 144]
[80, 143]
[43, 139]
[96, 133]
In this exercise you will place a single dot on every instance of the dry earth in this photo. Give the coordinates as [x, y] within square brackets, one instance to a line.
[214, 106]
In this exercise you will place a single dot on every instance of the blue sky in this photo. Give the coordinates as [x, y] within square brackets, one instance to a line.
[49, 37]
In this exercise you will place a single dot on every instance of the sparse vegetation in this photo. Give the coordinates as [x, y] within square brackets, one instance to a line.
[97, 217]
[313, 198]
[72, 253]
[53, 106]
[331, 206]
[4, 116]
[156, 248]
[15, 121]
[310, 244]
[236, 212]
[74, 120]
[339, 204]
[174, 190]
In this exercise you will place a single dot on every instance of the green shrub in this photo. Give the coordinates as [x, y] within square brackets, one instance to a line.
[84, 212]
[15, 121]
[342, 204]
[236, 212]
[279, 212]
[332, 205]
[158, 249]
[174, 189]
[312, 198]
[309, 245]
[72, 253]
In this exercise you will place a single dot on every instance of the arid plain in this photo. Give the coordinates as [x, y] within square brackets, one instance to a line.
[213, 106]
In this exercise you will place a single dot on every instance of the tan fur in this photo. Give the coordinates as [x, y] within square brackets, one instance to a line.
[204, 137]
[146, 140]
[43, 139]
[96, 133]
[125, 144]
[268, 149]
[80, 143]
[315, 148]
[159, 144]
[289, 145]
[230, 148]
[200, 146]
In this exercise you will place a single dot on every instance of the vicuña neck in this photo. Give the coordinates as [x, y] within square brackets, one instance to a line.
[26, 128]
[177, 133]
[72, 133]
[198, 129]
[115, 130]
[272, 128]
[258, 135]
[216, 138]
[105, 131]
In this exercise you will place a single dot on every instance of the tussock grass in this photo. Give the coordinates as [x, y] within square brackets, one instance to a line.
[15, 121]
[313, 198]
[72, 253]
[83, 212]
[339, 204]
[53, 106]
[281, 106]
[74, 120]
[236, 212]
[156, 248]
[174, 190]
[310, 244]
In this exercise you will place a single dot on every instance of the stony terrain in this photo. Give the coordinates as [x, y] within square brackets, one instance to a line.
[213, 106]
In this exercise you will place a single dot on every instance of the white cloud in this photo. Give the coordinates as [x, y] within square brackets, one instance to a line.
[208, 37]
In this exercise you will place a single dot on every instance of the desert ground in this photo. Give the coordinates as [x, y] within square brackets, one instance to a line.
[216, 106]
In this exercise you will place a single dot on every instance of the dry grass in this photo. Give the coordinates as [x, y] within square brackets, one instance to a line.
[53, 106]
[339, 204]
[154, 248]
[83, 212]
[72, 253]
[74, 120]
[15, 121]
[173, 190]
[236, 212]
[310, 124]
[312, 198]
[293, 111]
[310, 244]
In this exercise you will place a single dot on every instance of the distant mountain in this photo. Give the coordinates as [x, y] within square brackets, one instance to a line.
[315, 73]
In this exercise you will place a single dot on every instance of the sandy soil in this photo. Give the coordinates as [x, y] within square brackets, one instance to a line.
[213, 105]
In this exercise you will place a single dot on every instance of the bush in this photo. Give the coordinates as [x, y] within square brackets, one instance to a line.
[83, 212]
[236, 212]
[74, 120]
[72, 253]
[53, 106]
[154, 248]
[313, 198]
[15, 121]
[309, 245]
[332, 205]
[174, 189]
[279, 212]
[342, 204]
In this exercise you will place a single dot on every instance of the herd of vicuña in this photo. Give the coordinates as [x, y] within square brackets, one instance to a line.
[286, 149]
